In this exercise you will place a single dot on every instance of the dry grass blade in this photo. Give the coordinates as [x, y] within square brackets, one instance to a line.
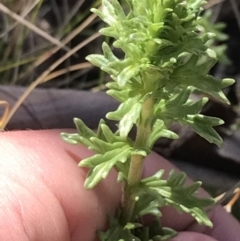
[41, 78]
[6, 105]
[64, 71]
[49, 53]
[229, 205]
[72, 13]
[23, 15]
[223, 197]
[33, 27]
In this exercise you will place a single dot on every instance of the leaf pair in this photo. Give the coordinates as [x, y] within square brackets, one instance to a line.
[112, 151]
[172, 192]
[180, 108]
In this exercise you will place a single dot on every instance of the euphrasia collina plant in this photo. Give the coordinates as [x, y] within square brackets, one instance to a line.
[154, 81]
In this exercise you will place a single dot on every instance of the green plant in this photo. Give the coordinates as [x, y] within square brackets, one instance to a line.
[206, 25]
[153, 82]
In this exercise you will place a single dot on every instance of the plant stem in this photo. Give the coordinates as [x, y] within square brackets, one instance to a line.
[136, 164]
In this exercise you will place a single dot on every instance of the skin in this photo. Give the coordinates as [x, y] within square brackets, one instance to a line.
[42, 195]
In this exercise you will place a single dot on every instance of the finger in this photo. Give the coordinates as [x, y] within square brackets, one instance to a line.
[42, 194]
[190, 236]
[226, 227]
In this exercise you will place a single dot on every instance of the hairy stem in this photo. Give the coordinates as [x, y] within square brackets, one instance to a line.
[136, 165]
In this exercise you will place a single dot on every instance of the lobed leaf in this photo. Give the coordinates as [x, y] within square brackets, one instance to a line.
[102, 164]
[175, 194]
[203, 125]
[127, 113]
[180, 108]
[160, 130]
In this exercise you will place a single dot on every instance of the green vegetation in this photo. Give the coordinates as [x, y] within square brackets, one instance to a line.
[162, 66]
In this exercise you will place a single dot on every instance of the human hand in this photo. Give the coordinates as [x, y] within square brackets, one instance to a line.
[42, 195]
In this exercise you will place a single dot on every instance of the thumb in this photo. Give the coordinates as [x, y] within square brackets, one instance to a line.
[190, 236]
[41, 190]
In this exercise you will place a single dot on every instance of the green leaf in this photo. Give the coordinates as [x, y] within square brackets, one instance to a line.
[110, 136]
[102, 164]
[155, 232]
[133, 231]
[108, 53]
[126, 123]
[108, 14]
[101, 146]
[98, 60]
[112, 151]
[186, 76]
[122, 169]
[83, 137]
[100, 134]
[175, 194]
[226, 82]
[159, 130]
[127, 74]
[118, 10]
[83, 129]
[71, 138]
[132, 225]
[127, 113]
[203, 126]
[117, 232]
[180, 108]
[123, 109]
[146, 204]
